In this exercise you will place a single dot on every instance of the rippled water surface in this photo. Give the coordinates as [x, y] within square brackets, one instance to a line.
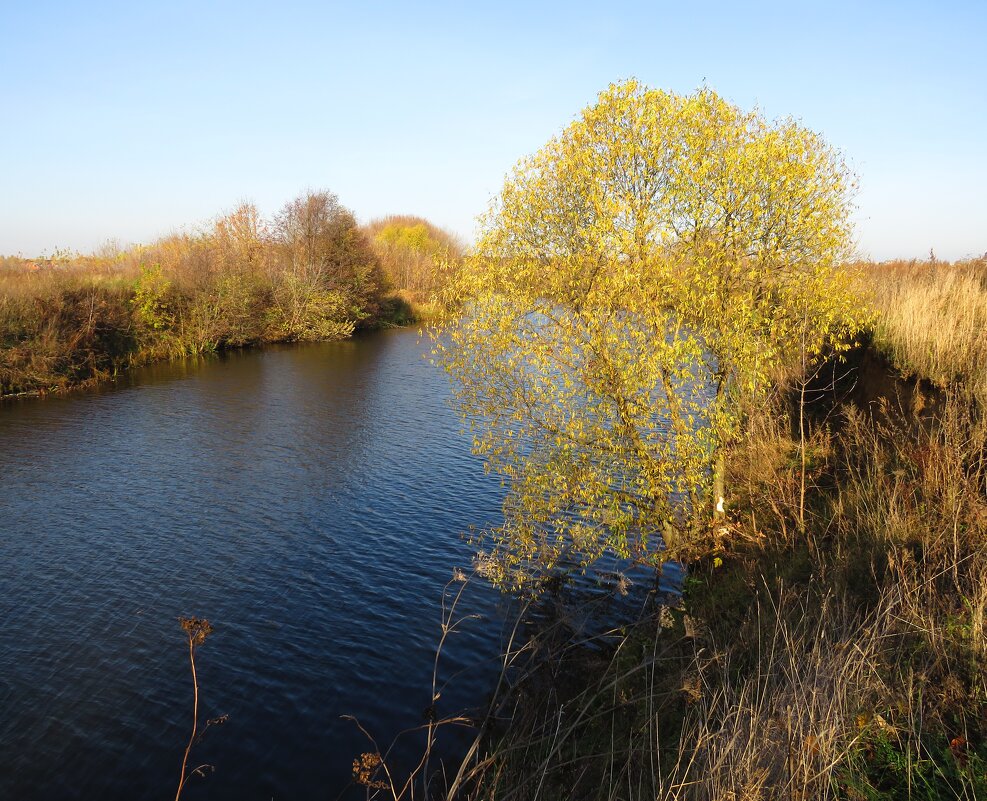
[308, 501]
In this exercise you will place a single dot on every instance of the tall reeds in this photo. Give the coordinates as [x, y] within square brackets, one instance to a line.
[932, 316]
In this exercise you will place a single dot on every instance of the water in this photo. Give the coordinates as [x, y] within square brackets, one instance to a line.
[308, 501]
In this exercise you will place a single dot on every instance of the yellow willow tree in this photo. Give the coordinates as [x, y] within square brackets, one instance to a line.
[635, 279]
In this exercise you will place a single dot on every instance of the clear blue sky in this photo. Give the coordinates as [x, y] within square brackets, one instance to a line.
[129, 120]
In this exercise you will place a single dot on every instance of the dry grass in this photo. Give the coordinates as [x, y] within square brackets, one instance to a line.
[836, 646]
[62, 327]
[671, 716]
[845, 660]
[932, 317]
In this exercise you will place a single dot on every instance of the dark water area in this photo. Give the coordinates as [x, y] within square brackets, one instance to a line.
[308, 501]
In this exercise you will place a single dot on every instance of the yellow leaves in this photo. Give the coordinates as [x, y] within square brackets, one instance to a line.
[660, 256]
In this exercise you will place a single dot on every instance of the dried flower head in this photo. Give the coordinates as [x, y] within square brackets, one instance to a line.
[197, 628]
[364, 769]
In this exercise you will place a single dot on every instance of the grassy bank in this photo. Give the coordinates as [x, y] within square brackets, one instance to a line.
[309, 273]
[931, 318]
[831, 644]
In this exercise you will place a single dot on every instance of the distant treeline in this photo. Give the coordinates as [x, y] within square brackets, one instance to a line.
[309, 273]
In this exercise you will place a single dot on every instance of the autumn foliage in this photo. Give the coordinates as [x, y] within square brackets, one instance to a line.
[638, 281]
[309, 273]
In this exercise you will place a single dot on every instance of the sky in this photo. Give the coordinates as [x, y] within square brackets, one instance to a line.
[128, 121]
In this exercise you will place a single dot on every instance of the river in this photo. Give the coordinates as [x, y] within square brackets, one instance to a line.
[309, 501]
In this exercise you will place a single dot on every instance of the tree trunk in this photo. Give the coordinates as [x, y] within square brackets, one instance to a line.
[720, 461]
[719, 485]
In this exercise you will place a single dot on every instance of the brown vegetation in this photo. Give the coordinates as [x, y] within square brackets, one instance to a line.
[845, 660]
[418, 260]
[310, 273]
[932, 318]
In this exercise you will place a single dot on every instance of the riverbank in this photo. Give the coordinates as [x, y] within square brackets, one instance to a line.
[309, 275]
[90, 333]
[839, 657]
[832, 641]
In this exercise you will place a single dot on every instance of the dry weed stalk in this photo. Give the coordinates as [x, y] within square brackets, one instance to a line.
[196, 629]
[373, 769]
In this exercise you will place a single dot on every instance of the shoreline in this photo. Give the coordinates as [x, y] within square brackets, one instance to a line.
[134, 364]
